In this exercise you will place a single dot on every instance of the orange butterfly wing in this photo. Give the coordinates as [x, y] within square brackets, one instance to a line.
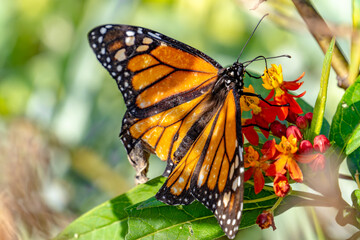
[163, 82]
[167, 87]
[212, 170]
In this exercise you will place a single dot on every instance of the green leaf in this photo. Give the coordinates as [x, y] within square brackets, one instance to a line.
[109, 220]
[137, 214]
[355, 197]
[154, 220]
[354, 141]
[346, 121]
[353, 162]
[319, 110]
[355, 42]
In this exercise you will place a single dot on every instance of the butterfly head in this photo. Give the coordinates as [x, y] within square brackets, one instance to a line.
[235, 74]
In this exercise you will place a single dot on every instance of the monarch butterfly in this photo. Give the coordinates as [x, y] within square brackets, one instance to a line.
[183, 106]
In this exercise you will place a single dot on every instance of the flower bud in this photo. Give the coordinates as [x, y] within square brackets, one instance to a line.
[301, 122]
[265, 220]
[295, 131]
[291, 117]
[309, 117]
[281, 185]
[278, 129]
[321, 143]
[305, 147]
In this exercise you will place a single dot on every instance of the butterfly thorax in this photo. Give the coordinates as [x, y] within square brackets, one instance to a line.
[231, 77]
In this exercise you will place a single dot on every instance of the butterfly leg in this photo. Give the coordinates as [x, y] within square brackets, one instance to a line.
[252, 76]
[262, 99]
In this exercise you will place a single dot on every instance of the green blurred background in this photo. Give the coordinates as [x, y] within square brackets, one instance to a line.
[60, 112]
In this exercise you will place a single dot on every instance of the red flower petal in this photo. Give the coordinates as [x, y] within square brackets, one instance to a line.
[295, 171]
[248, 173]
[259, 181]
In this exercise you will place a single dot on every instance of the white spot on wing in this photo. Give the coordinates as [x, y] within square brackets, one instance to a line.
[120, 55]
[147, 40]
[201, 178]
[130, 33]
[231, 171]
[234, 184]
[236, 161]
[129, 41]
[102, 30]
[154, 35]
[226, 198]
[142, 48]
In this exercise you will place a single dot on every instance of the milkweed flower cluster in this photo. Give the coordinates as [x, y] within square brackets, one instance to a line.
[280, 158]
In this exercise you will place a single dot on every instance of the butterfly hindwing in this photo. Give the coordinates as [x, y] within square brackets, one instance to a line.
[212, 170]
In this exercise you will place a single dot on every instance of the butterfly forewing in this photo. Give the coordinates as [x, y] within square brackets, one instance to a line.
[149, 66]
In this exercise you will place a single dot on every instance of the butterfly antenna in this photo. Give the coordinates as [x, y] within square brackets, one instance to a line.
[237, 60]
[259, 58]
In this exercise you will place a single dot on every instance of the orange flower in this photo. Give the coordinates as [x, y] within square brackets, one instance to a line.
[256, 167]
[287, 158]
[273, 80]
[248, 103]
[281, 185]
[262, 113]
[269, 150]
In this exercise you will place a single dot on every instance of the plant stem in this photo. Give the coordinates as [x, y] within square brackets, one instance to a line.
[318, 229]
[261, 199]
[346, 177]
[319, 109]
[276, 204]
[322, 34]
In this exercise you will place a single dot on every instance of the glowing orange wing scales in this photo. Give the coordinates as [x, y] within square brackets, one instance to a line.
[216, 180]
